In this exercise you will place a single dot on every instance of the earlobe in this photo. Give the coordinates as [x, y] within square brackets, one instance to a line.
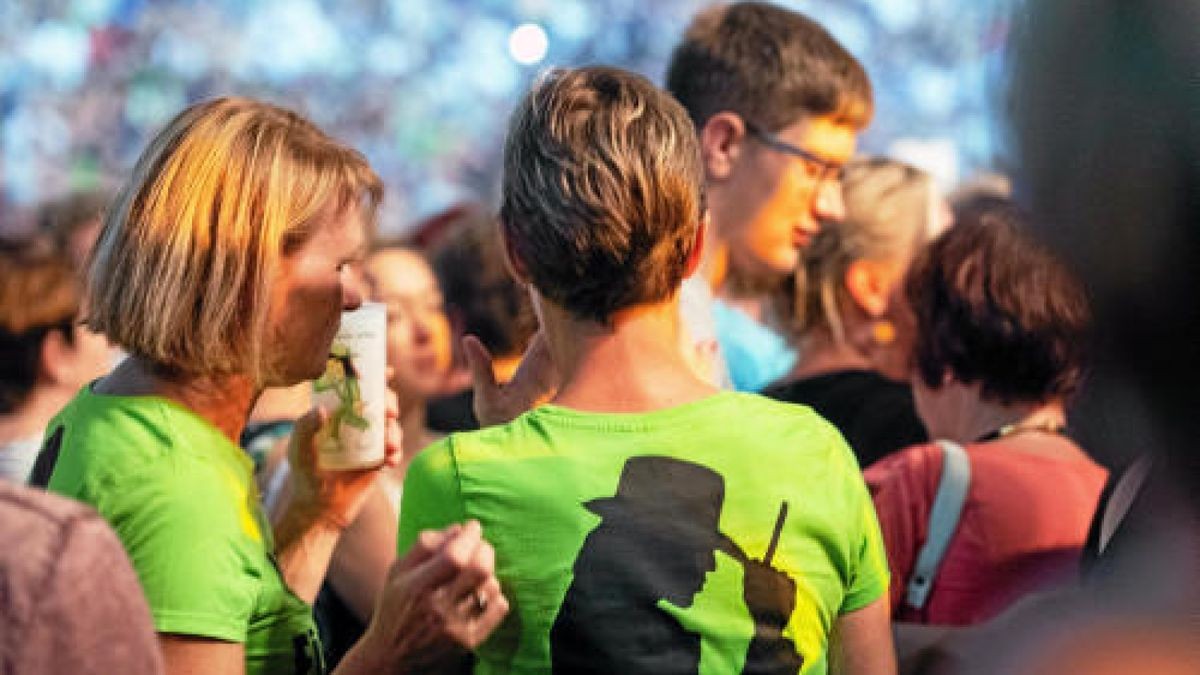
[864, 281]
[55, 365]
[720, 144]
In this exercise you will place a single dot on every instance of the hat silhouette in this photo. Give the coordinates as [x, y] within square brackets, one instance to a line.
[678, 498]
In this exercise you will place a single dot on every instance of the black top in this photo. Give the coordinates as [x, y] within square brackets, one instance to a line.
[875, 414]
[452, 413]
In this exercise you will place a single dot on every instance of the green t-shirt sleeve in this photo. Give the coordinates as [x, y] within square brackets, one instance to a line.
[186, 541]
[869, 575]
[432, 499]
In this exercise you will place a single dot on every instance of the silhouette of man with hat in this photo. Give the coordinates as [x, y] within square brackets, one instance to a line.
[657, 541]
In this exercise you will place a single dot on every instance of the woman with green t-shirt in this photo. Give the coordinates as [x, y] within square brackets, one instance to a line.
[644, 522]
[221, 271]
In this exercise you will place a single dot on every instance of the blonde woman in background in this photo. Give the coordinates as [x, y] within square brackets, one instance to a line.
[844, 311]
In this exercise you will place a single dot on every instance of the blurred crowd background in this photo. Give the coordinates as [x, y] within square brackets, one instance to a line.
[424, 88]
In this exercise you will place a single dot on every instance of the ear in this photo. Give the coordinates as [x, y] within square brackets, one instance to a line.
[697, 253]
[721, 140]
[57, 364]
[515, 265]
[866, 281]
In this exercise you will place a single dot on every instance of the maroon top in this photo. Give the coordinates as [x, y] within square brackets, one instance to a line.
[1022, 527]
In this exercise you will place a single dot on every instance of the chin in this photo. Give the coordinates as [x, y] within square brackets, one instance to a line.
[417, 388]
[779, 267]
[774, 266]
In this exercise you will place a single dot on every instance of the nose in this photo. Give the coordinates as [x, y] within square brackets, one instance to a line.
[829, 204]
[422, 331]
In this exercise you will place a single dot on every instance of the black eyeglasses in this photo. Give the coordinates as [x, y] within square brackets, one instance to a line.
[826, 170]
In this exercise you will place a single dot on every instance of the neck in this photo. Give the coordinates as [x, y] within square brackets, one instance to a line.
[989, 417]
[30, 418]
[412, 424]
[714, 266]
[635, 365]
[282, 403]
[224, 401]
[822, 353]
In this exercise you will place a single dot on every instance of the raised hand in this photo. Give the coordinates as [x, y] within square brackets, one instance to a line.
[535, 381]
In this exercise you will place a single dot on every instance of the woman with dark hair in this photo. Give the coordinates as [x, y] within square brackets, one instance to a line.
[1000, 329]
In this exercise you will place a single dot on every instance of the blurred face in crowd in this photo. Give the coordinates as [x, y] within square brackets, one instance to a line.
[312, 288]
[777, 199]
[418, 331]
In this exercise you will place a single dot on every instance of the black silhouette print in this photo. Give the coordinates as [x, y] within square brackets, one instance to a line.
[657, 541]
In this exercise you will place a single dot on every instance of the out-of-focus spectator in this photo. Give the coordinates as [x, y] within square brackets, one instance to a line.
[418, 337]
[778, 104]
[843, 308]
[47, 355]
[73, 222]
[1093, 84]
[999, 345]
[71, 603]
[482, 299]
[1105, 102]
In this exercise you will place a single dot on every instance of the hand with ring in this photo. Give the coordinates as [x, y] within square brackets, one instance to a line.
[440, 601]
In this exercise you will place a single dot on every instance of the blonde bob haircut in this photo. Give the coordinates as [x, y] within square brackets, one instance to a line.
[182, 271]
[890, 208]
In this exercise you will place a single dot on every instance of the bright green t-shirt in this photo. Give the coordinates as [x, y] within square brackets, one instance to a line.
[721, 535]
[182, 499]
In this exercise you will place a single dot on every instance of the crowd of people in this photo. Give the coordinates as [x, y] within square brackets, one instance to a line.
[579, 475]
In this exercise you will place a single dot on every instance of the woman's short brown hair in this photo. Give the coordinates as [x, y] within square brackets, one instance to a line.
[995, 307]
[602, 190]
[182, 270]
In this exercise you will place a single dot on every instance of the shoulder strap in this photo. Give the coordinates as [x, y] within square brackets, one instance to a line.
[943, 521]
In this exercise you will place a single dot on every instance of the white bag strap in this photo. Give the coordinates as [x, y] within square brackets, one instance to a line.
[943, 521]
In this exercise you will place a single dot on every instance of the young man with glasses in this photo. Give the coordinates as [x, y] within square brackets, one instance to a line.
[777, 105]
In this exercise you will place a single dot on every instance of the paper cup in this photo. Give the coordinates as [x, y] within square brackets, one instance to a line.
[354, 391]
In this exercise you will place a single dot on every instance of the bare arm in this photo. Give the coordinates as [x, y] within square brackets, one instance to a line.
[361, 559]
[188, 655]
[862, 641]
[320, 505]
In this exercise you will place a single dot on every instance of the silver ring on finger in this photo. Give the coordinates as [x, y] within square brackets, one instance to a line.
[479, 602]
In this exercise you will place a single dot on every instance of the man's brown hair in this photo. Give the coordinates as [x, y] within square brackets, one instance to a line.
[770, 65]
[602, 190]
